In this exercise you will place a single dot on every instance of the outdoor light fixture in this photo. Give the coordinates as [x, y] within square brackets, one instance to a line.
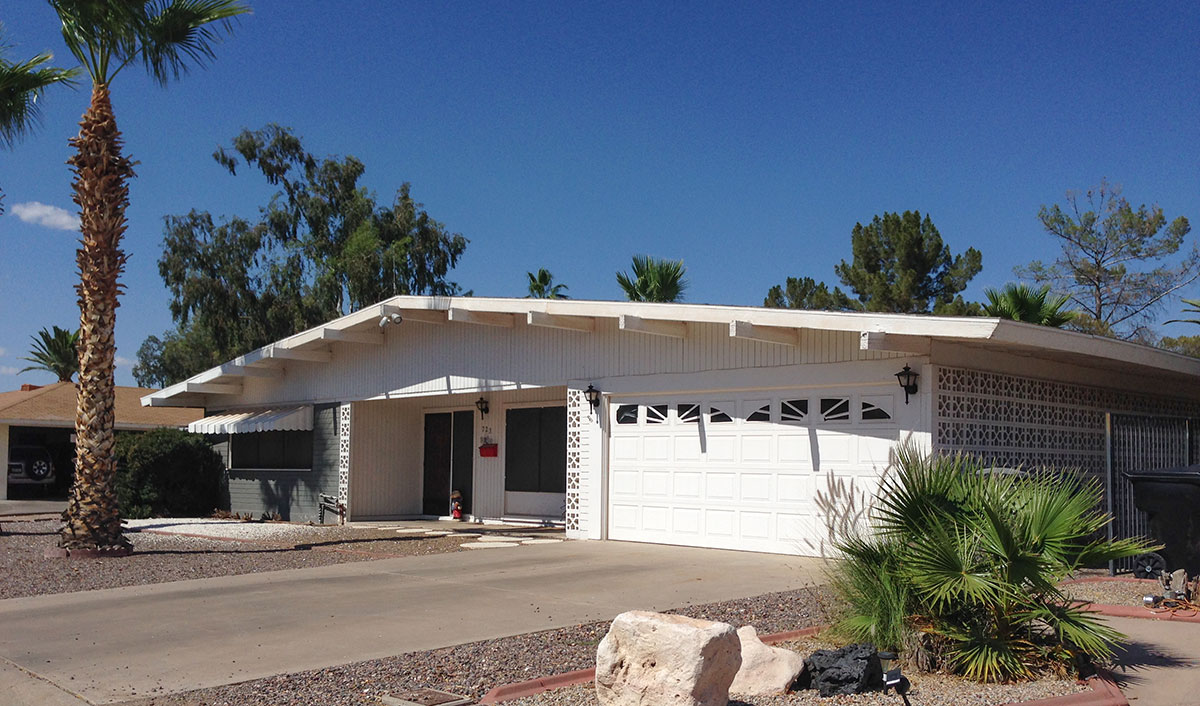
[390, 319]
[892, 678]
[908, 381]
[482, 405]
[593, 396]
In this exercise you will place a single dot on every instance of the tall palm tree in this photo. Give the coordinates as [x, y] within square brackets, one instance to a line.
[106, 36]
[22, 83]
[55, 352]
[542, 286]
[1020, 302]
[654, 280]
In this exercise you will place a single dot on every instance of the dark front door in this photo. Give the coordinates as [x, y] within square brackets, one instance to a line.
[449, 460]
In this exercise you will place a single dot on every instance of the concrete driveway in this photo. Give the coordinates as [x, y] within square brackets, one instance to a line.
[117, 644]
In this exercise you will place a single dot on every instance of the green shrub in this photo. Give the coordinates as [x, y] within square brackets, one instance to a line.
[962, 565]
[168, 473]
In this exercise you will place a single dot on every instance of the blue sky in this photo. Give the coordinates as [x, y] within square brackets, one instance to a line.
[745, 138]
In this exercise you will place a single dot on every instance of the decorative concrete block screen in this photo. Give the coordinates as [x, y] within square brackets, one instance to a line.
[577, 416]
[1018, 421]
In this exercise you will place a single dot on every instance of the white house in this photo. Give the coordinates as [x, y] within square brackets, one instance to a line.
[716, 426]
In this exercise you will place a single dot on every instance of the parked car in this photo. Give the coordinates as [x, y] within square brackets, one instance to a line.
[30, 465]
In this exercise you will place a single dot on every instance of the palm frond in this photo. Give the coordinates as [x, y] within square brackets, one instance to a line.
[55, 352]
[22, 85]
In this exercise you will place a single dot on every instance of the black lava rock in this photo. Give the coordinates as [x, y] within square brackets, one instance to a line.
[851, 670]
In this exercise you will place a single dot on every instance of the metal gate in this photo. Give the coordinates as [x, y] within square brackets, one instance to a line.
[1138, 441]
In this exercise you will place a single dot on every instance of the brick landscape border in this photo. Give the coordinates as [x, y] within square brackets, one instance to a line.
[1105, 691]
[1126, 611]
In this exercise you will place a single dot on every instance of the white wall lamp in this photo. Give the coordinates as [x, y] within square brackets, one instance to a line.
[386, 319]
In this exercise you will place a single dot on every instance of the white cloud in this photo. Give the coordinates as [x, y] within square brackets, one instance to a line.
[122, 362]
[9, 370]
[46, 215]
[3, 351]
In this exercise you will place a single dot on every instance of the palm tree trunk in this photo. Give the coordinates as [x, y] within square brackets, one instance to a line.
[92, 520]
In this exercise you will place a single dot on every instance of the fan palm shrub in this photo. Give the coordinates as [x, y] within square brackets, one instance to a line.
[543, 286]
[1020, 302]
[653, 280]
[961, 565]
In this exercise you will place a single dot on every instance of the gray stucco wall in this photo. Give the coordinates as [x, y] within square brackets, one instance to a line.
[292, 494]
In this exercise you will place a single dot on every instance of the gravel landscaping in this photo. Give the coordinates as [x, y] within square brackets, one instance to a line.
[475, 668]
[927, 690]
[159, 558]
[1126, 592]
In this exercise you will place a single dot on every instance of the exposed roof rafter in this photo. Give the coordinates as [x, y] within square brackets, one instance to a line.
[770, 334]
[569, 323]
[654, 327]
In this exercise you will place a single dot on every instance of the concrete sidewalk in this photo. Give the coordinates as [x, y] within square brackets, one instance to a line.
[17, 508]
[1160, 664]
[118, 644]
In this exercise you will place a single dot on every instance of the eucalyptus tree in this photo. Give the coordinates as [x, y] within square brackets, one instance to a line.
[166, 37]
[543, 286]
[22, 84]
[55, 352]
[1020, 302]
[654, 280]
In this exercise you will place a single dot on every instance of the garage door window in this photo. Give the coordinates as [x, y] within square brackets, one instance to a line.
[762, 414]
[717, 416]
[835, 409]
[688, 413]
[627, 414]
[876, 409]
[793, 410]
[656, 414]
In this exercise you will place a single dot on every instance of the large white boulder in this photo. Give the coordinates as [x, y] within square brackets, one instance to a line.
[765, 670]
[652, 659]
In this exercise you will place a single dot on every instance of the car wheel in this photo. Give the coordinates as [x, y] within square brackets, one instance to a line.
[39, 469]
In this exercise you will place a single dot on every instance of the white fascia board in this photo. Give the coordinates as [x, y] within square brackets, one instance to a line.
[212, 388]
[1044, 337]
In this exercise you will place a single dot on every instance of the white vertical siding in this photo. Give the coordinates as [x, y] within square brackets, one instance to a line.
[425, 359]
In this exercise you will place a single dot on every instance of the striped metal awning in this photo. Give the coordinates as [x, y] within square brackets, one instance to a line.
[278, 419]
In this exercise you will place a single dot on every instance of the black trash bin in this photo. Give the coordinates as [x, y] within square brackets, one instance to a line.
[1171, 499]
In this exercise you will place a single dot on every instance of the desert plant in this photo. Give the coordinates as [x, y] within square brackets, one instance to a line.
[168, 473]
[1020, 302]
[653, 280]
[968, 561]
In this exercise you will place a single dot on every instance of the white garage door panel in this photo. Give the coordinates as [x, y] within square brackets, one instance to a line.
[744, 471]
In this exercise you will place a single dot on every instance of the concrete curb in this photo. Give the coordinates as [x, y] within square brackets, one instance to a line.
[1125, 611]
[1105, 691]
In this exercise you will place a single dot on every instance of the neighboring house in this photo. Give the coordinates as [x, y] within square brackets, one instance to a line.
[717, 426]
[37, 423]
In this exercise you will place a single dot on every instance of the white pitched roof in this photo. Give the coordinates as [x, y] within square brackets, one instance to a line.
[903, 332]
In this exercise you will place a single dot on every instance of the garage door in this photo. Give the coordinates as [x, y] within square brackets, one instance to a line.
[747, 470]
